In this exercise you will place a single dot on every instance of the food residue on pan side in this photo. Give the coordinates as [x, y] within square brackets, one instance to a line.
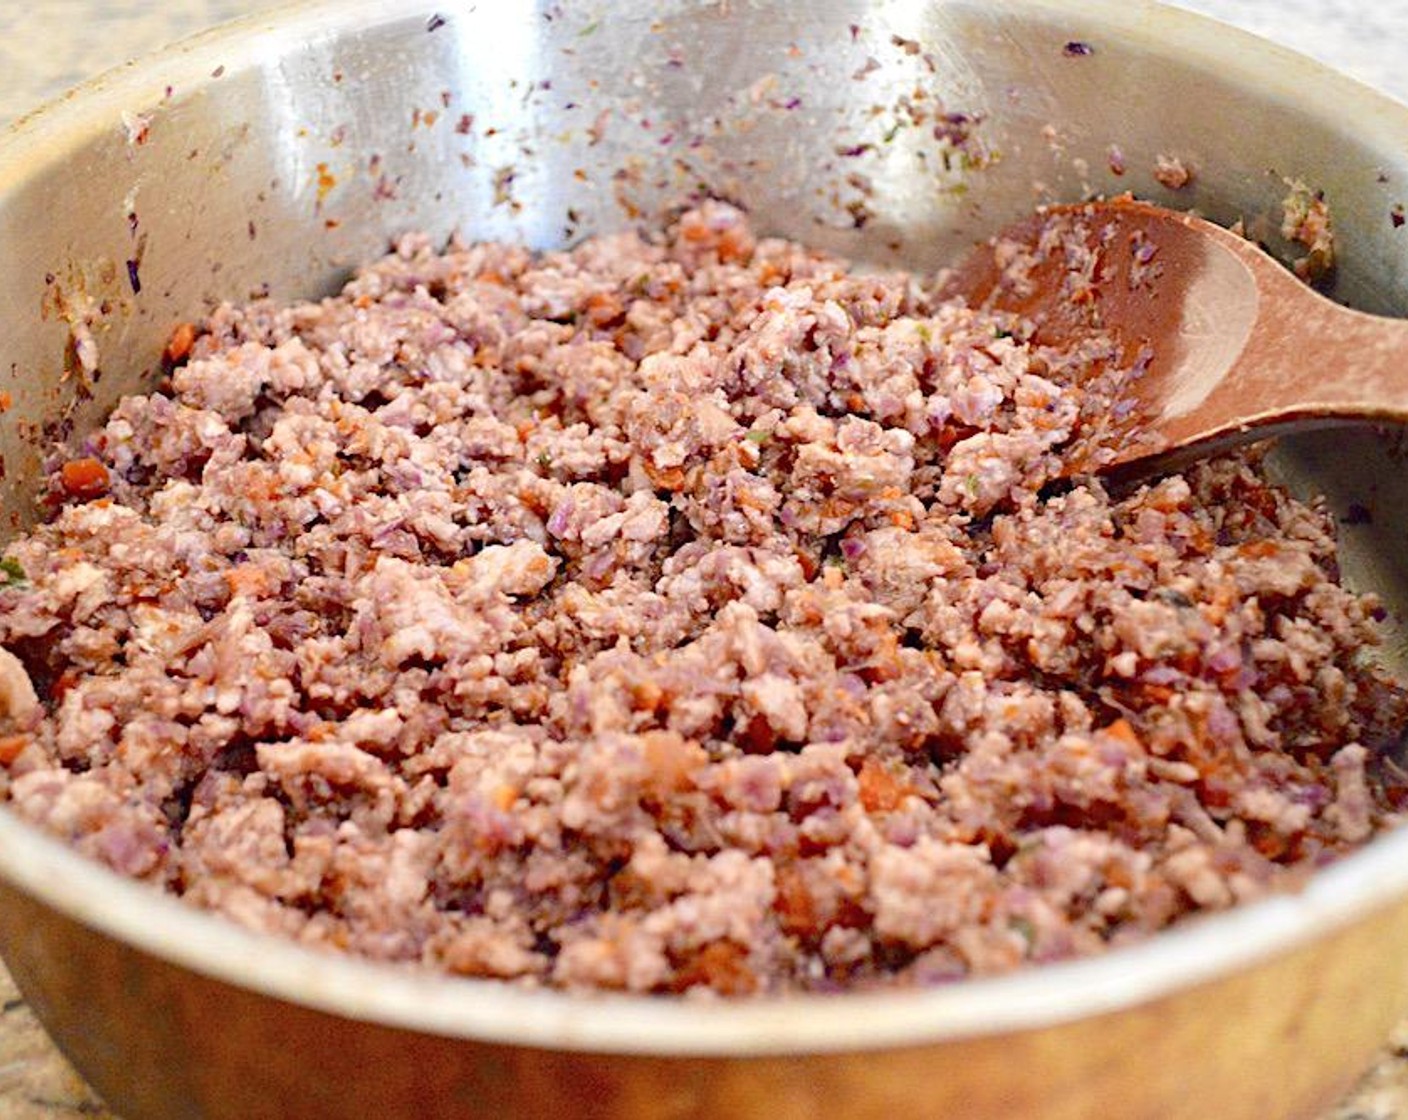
[1306, 222]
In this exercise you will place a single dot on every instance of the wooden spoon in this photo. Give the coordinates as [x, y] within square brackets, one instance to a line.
[1232, 346]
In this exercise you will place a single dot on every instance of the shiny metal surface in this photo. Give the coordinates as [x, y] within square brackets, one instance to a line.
[274, 156]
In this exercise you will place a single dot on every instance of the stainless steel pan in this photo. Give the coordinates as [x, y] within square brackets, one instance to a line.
[274, 155]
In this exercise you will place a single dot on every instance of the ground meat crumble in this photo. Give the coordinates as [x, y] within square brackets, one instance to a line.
[668, 614]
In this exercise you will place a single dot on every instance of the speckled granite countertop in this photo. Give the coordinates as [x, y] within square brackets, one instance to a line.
[49, 45]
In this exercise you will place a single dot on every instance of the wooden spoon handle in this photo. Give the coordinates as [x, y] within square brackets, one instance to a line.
[1333, 359]
[1279, 356]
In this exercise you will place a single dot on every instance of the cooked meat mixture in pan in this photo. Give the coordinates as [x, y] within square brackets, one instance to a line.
[676, 613]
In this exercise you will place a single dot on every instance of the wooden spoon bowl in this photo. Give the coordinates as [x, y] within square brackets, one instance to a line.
[1224, 345]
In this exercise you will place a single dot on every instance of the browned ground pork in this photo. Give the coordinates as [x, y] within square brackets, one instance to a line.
[674, 614]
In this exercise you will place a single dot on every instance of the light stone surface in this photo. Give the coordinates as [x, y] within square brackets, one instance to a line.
[48, 46]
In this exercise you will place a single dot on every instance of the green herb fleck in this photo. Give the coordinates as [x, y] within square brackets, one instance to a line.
[591, 29]
[1172, 596]
[1025, 928]
[971, 482]
[14, 574]
[892, 132]
[544, 460]
[924, 331]
[759, 438]
[1001, 332]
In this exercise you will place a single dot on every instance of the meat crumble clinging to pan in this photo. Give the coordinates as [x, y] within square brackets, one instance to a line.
[676, 613]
